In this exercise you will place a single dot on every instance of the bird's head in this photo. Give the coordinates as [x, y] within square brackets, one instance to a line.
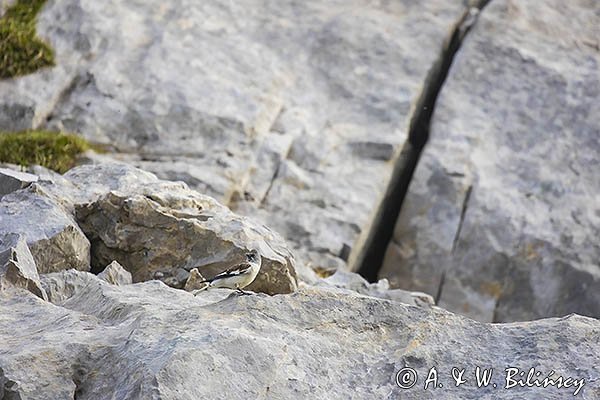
[253, 256]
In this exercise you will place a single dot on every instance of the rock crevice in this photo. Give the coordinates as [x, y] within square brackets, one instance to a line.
[500, 217]
[369, 256]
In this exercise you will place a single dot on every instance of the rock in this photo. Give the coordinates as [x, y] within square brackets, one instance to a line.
[194, 281]
[504, 202]
[96, 180]
[17, 267]
[146, 224]
[148, 340]
[61, 286]
[356, 283]
[200, 91]
[53, 236]
[115, 274]
[373, 150]
[152, 226]
[11, 180]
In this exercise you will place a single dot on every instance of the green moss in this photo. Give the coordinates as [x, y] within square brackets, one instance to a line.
[21, 52]
[52, 150]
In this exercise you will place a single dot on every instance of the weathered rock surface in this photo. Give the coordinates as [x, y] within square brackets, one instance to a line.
[52, 234]
[90, 182]
[115, 274]
[505, 202]
[356, 283]
[17, 267]
[11, 180]
[317, 343]
[289, 112]
[171, 228]
[153, 228]
[163, 229]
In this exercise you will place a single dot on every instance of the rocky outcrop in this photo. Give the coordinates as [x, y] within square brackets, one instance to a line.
[501, 219]
[296, 115]
[51, 232]
[17, 267]
[355, 283]
[155, 229]
[163, 230]
[11, 180]
[115, 274]
[148, 340]
[292, 113]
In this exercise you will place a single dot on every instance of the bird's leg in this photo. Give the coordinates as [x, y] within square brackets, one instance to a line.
[240, 290]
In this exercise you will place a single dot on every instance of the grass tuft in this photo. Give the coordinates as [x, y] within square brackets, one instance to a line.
[21, 51]
[53, 150]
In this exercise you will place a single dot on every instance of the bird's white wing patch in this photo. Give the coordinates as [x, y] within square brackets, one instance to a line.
[234, 271]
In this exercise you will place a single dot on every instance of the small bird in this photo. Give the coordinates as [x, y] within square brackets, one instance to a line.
[239, 276]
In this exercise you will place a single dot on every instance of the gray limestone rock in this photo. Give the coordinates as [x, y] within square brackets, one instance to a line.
[95, 180]
[52, 234]
[11, 180]
[149, 226]
[505, 200]
[147, 340]
[216, 93]
[356, 283]
[115, 274]
[62, 285]
[17, 267]
[156, 227]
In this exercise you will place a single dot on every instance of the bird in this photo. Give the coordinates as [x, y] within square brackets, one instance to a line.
[238, 276]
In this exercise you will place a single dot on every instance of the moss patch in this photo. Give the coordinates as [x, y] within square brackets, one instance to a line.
[52, 150]
[21, 52]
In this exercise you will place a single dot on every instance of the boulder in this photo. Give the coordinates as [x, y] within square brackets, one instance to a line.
[153, 228]
[95, 180]
[17, 267]
[502, 217]
[148, 340]
[165, 229]
[52, 235]
[11, 180]
[160, 229]
[115, 274]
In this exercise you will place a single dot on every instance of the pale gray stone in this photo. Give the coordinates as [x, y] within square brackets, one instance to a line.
[11, 180]
[152, 226]
[505, 200]
[62, 285]
[149, 226]
[115, 274]
[148, 340]
[53, 236]
[215, 93]
[17, 267]
[96, 180]
[356, 283]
